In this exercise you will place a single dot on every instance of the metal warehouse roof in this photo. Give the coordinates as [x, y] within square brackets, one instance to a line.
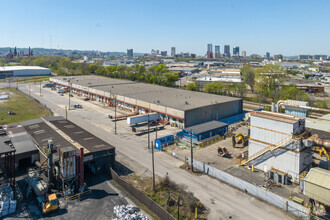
[12, 68]
[276, 116]
[64, 134]
[208, 126]
[319, 177]
[164, 96]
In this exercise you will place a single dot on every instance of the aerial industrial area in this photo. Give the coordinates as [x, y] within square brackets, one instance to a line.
[142, 110]
[190, 148]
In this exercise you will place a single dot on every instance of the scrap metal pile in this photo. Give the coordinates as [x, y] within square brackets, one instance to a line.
[127, 212]
[7, 201]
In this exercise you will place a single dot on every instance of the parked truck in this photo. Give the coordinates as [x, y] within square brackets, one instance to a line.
[143, 118]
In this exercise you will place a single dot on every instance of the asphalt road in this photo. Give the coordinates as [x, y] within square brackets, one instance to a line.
[224, 202]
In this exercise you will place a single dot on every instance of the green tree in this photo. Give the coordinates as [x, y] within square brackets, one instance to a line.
[92, 68]
[268, 80]
[249, 76]
[292, 92]
[192, 86]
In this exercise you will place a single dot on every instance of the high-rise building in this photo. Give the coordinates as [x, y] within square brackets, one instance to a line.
[243, 53]
[217, 53]
[267, 55]
[153, 52]
[172, 51]
[209, 55]
[278, 57]
[163, 53]
[227, 50]
[130, 52]
[157, 52]
[209, 48]
[236, 51]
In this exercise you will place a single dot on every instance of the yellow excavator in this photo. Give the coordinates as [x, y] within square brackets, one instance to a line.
[240, 138]
[322, 151]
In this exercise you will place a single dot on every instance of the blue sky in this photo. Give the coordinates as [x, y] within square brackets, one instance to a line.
[289, 27]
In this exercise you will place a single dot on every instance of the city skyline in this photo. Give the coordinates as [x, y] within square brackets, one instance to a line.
[258, 26]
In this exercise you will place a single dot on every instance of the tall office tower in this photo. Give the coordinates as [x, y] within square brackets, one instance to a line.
[209, 48]
[217, 52]
[130, 52]
[163, 53]
[243, 53]
[157, 52]
[267, 55]
[227, 51]
[236, 51]
[172, 51]
[153, 52]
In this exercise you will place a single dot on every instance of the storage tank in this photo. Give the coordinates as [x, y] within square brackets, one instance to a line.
[67, 162]
[39, 186]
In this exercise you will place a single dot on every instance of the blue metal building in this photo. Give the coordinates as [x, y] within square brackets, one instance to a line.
[205, 130]
[161, 142]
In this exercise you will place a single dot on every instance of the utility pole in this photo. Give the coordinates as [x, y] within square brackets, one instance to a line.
[179, 207]
[16, 82]
[66, 113]
[40, 88]
[156, 129]
[148, 133]
[104, 99]
[115, 115]
[9, 82]
[191, 151]
[69, 98]
[153, 160]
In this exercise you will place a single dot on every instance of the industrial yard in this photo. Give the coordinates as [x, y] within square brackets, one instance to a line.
[230, 145]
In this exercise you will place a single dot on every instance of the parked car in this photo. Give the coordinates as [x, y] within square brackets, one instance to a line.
[86, 99]
[78, 106]
[61, 94]
[53, 88]
[71, 95]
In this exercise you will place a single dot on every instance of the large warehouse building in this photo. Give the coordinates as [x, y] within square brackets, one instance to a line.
[21, 71]
[181, 107]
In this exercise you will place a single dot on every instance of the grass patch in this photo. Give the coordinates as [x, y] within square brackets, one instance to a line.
[167, 194]
[24, 107]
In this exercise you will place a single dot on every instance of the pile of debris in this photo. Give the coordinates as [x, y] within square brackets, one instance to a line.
[128, 212]
[7, 201]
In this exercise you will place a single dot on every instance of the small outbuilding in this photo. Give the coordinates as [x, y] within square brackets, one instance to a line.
[317, 185]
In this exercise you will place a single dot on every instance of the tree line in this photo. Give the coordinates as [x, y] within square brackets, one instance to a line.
[157, 74]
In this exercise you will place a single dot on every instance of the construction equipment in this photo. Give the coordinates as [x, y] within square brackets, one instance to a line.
[49, 204]
[322, 151]
[239, 139]
[222, 151]
[40, 187]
